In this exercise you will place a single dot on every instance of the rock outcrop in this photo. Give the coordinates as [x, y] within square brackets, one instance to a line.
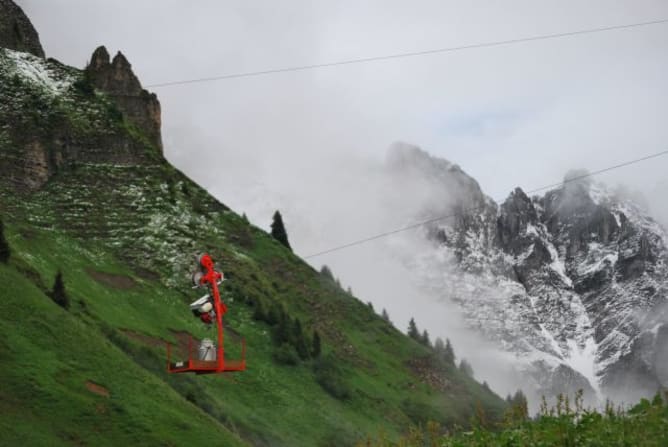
[117, 79]
[16, 31]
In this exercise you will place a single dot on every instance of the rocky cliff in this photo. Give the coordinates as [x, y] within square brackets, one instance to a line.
[16, 31]
[573, 283]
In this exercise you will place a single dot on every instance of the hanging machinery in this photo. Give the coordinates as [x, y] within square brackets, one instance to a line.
[208, 358]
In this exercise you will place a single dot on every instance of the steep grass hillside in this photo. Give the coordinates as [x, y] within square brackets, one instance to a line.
[85, 193]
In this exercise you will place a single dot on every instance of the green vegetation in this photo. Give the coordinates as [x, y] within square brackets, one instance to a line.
[122, 227]
[645, 424]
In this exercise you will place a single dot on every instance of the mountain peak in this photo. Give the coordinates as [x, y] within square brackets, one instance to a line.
[574, 273]
[100, 58]
[16, 31]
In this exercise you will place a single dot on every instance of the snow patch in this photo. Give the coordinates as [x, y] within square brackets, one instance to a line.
[37, 71]
[583, 360]
[558, 265]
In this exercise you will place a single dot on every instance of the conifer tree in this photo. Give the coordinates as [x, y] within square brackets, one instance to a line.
[519, 405]
[298, 340]
[58, 294]
[5, 251]
[449, 352]
[278, 230]
[259, 313]
[315, 352]
[439, 347]
[274, 315]
[282, 332]
[327, 272]
[386, 316]
[413, 330]
[466, 368]
[424, 338]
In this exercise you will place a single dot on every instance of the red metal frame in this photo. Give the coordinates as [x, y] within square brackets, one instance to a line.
[210, 278]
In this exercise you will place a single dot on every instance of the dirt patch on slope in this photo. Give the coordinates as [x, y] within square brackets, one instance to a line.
[423, 368]
[97, 389]
[122, 282]
[147, 274]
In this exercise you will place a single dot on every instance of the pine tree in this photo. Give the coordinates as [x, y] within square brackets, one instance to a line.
[58, 294]
[466, 368]
[424, 339]
[413, 330]
[282, 332]
[386, 316]
[5, 251]
[298, 340]
[439, 347]
[369, 304]
[519, 405]
[274, 315]
[327, 273]
[449, 352]
[315, 352]
[278, 230]
[259, 313]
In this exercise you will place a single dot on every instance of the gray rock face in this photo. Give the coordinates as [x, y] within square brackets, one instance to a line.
[574, 283]
[16, 31]
[118, 80]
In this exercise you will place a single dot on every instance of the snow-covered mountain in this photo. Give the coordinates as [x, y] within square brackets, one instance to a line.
[573, 283]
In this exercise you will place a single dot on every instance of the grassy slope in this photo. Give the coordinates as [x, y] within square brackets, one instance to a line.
[48, 356]
[143, 223]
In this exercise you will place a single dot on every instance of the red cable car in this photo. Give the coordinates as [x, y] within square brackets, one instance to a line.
[208, 359]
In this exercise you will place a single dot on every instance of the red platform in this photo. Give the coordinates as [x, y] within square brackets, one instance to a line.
[188, 355]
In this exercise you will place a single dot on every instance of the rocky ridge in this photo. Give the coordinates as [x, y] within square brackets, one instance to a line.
[573, 283]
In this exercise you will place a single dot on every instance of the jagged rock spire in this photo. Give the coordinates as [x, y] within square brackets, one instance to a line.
[117, 79]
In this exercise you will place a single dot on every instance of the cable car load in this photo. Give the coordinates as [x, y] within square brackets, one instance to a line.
[207, 357]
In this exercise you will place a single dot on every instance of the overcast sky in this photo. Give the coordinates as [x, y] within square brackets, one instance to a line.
[512, 115]
[516, 115]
